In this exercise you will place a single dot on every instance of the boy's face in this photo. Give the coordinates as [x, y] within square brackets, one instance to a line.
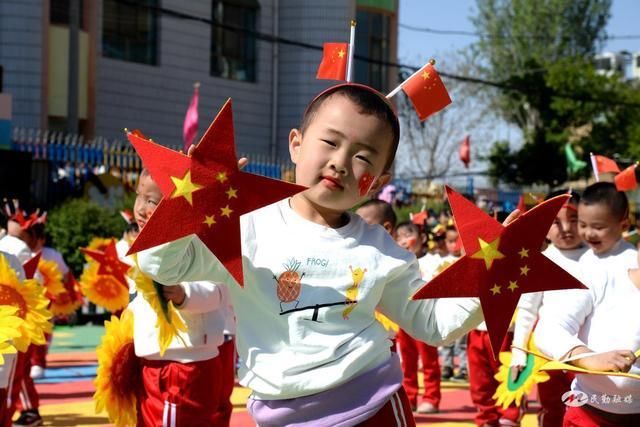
[599, 227]
[451, 240]
[341, 155]
[148, 196]
[409, 239]
[564, 230]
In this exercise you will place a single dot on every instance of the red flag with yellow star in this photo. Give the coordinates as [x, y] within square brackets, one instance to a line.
[427, 92]
[205, 193]
[500, 262]
[334, 61]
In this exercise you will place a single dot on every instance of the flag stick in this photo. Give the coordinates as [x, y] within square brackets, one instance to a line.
[399, 87]
[594, 165]
[352, 48]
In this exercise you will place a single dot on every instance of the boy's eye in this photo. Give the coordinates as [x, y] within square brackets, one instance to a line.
[364, 159]
[333, 144]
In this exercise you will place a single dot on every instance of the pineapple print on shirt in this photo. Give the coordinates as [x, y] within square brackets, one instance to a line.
[289, 283]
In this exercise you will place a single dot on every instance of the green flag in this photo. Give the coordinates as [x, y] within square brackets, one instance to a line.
[573, 163]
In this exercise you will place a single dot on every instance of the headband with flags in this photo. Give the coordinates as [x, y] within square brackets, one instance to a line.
[26, 221]
[424, 88]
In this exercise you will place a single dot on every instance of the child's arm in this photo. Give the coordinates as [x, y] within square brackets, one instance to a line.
[183, 260]
[526, 317]
[614, 361]
[434, 321]
[197, 297]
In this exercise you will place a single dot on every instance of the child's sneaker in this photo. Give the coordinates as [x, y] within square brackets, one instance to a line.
[427, 408]
[28, 418]
[37, 372]
[447, 372]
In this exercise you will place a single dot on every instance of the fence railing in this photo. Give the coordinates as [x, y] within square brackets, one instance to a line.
[63, 163]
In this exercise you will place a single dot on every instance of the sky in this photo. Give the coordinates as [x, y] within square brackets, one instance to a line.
[454, 15]
[414, 46]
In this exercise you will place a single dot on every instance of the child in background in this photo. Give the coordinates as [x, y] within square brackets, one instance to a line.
[598, 329]
[315, 366]
[410, 237]
[459, 347]
[603, 215]
[565, 249]
[186, 382]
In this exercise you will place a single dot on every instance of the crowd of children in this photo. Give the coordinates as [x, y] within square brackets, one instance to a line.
[329, 361]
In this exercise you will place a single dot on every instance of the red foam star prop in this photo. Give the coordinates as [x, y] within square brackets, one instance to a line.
[109, 261]
[205, 193]
[500, 263]
[30, 266]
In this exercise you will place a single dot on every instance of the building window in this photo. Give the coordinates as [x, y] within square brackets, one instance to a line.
[59, 13]
[372, 41]
[130, 30]
[233, 52]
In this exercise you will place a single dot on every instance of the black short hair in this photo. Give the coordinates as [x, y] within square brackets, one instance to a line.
[409, 225]
[573, 200]
[369, 101]
[606, 193]
[384, 209]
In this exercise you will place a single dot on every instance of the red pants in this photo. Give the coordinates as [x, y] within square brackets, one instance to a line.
[4, 420]
[550, 393]
[588, 416]
[23, 391]
[410, 349]
[179, 394]
[227, 372]
[39, 353]
[396, 412]
[482, 384]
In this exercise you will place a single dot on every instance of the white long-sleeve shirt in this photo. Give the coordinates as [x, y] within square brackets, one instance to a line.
[296, 334]
[622, 255]
[604, 318]
[530, 303]
[201, 312]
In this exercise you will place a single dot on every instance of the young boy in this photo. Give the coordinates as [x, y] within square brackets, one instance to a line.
[603, 215]
[565, 250]
[375, 211]
[601, 324]
[184, 383]
[411, 237]
[319, 363]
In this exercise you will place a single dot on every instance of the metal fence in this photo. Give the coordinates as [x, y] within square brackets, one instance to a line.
[63, 163]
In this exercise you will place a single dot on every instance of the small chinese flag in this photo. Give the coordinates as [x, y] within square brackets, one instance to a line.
[465, 151]
[626, 180]
[427, 92]
[334, 62]
[605, 164]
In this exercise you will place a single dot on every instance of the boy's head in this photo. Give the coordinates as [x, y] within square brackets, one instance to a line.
[148, 196]
[345, 146]
[563, 233]
[410, 237]
[452, 241]
[377, 211]
[603, 214]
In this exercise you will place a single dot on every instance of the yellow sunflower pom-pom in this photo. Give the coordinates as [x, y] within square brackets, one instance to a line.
[169, 322]
[9, 328]
[97, 244]
[31, 304]
[118, 376]
[103, 290]
[51, 277]
[508, 390]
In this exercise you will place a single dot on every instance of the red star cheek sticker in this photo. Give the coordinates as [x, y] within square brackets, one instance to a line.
[500, 263]
[109, 261]
[205, 193]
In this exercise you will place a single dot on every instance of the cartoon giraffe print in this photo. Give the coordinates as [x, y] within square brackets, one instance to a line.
[357, 276]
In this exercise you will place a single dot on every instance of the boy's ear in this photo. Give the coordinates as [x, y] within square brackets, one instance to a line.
[295, 141]
[626, 223]
[380, 182]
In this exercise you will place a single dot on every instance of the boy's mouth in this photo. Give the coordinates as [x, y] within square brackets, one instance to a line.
[141, 223]
[332, 182]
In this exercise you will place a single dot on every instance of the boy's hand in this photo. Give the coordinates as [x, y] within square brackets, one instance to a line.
[242, 161]
[613, 361]
[174, 293]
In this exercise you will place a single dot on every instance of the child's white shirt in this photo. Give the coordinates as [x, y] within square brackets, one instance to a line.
[297, 337]
[622, 255]
[530, 303]
[602, 318]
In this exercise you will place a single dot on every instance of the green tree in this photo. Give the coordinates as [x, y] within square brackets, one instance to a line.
[541, 51]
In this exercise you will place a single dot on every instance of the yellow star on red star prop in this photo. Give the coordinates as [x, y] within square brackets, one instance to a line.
[501, 262]
[205, 193]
